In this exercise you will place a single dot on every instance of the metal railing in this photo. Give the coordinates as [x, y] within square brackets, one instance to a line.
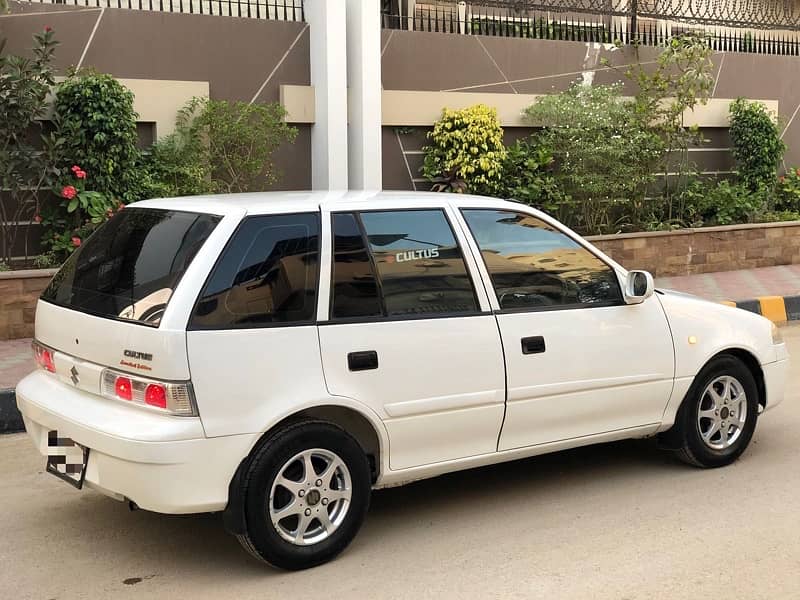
[280, 10]
[585, 21]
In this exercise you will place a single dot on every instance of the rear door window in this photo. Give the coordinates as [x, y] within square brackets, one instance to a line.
[398, 263]
[266, 275]
[129, 268]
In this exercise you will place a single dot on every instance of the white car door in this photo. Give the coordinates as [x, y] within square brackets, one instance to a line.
[579, 360]
[408, 333]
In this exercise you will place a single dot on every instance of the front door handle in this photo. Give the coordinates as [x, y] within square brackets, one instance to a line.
[362, 361]
[533, 345]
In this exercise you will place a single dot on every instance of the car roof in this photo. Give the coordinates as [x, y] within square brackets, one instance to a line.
[254, 203]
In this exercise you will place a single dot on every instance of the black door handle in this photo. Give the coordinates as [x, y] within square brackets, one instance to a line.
[362, 361]
[533, 345]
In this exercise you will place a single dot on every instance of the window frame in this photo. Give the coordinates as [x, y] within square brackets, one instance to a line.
[312, 320]
[462, 243]
[486, 274]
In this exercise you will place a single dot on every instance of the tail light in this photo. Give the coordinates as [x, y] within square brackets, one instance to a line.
[44, 357]
[175, 398]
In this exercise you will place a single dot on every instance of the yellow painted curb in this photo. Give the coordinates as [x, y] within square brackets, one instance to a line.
[773, 307]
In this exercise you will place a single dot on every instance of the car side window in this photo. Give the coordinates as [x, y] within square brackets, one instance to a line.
[267, 274]
[412, 262]
[354, 289]
[533, 265]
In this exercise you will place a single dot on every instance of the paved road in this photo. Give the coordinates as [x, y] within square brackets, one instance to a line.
[621, 521]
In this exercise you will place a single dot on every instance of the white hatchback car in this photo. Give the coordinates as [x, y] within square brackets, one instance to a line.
[277, 356]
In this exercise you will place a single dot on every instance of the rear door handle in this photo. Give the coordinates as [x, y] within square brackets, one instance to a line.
[362, 361]
[533, 345]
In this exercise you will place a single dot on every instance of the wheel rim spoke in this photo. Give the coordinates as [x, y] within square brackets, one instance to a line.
[308, 509]
[721, 424]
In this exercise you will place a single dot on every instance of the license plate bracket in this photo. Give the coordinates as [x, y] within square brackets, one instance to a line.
[66, 459]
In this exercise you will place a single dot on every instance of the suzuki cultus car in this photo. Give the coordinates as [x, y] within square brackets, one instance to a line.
[277, 356]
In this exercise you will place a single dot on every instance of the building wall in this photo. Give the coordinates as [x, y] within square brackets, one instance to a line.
[451, 62]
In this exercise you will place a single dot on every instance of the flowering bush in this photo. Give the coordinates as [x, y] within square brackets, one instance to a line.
[75, 214]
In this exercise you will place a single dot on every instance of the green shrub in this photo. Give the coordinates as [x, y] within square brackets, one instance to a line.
[466, 153]
[787, 192]
[527, 176]
[605, 156]
[757, 145]
[94, 115]
[241, 139]
[178, 164]
[723, 203]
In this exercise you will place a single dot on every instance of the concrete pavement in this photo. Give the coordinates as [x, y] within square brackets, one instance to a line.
[618, 521]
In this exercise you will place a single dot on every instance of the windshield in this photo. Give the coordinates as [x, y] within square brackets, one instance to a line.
[130, 266]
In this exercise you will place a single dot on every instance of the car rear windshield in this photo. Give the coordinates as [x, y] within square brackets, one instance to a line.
[130, 266]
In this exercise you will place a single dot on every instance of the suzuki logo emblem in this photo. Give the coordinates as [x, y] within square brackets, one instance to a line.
[74, 376]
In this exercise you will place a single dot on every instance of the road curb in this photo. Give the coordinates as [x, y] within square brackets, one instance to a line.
[777, 309]
[10, 417]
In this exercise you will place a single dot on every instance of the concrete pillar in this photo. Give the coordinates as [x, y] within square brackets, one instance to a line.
[364, 83]
[327, 25]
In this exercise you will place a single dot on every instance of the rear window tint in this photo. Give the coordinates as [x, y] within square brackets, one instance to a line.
[267, 274]
[129, 268]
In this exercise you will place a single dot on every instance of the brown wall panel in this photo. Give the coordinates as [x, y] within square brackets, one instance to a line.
[71, 28]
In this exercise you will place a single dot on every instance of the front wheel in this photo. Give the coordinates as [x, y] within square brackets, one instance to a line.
[306, 494]
[719, 414]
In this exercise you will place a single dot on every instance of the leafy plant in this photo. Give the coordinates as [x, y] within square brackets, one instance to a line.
[725, 203]
[179, 163]
[466, 152]
[95, 117]
[25, 167]
[527, 176]
[48, 260]
[756, 143]
[787, 192]
[604, 155]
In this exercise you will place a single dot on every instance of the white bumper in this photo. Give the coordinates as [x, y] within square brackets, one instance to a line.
[162, 463]
[775, 375]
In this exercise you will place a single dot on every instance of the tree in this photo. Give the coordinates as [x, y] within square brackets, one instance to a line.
[27, 162]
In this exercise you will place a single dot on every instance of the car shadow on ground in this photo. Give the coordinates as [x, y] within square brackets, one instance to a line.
[126, 535]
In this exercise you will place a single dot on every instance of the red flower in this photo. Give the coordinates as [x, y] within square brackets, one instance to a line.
[47, 29]
[75, 168]
[80, 174]
[781, 178]
[37, 218]
[76, 241]
[120, 207]
[68, 192]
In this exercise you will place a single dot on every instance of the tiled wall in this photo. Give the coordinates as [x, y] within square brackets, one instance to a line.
[19, 291]
[706, 250]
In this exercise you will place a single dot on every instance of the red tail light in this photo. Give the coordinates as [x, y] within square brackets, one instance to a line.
[156, 395]
[44, 357]
[123, 388]
[172, 397]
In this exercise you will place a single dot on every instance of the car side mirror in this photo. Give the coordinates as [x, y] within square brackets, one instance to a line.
[639, 286]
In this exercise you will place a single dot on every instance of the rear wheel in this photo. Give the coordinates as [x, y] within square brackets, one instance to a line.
[306, 494]
[719, 414]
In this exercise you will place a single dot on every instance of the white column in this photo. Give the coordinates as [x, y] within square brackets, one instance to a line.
[326, 20]
[364, 82]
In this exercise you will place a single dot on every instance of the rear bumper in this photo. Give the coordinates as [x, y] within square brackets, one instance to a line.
[775, 375]
[163, 464]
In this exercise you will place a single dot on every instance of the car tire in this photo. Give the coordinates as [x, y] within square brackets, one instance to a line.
[716, 423]
[295, 519]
